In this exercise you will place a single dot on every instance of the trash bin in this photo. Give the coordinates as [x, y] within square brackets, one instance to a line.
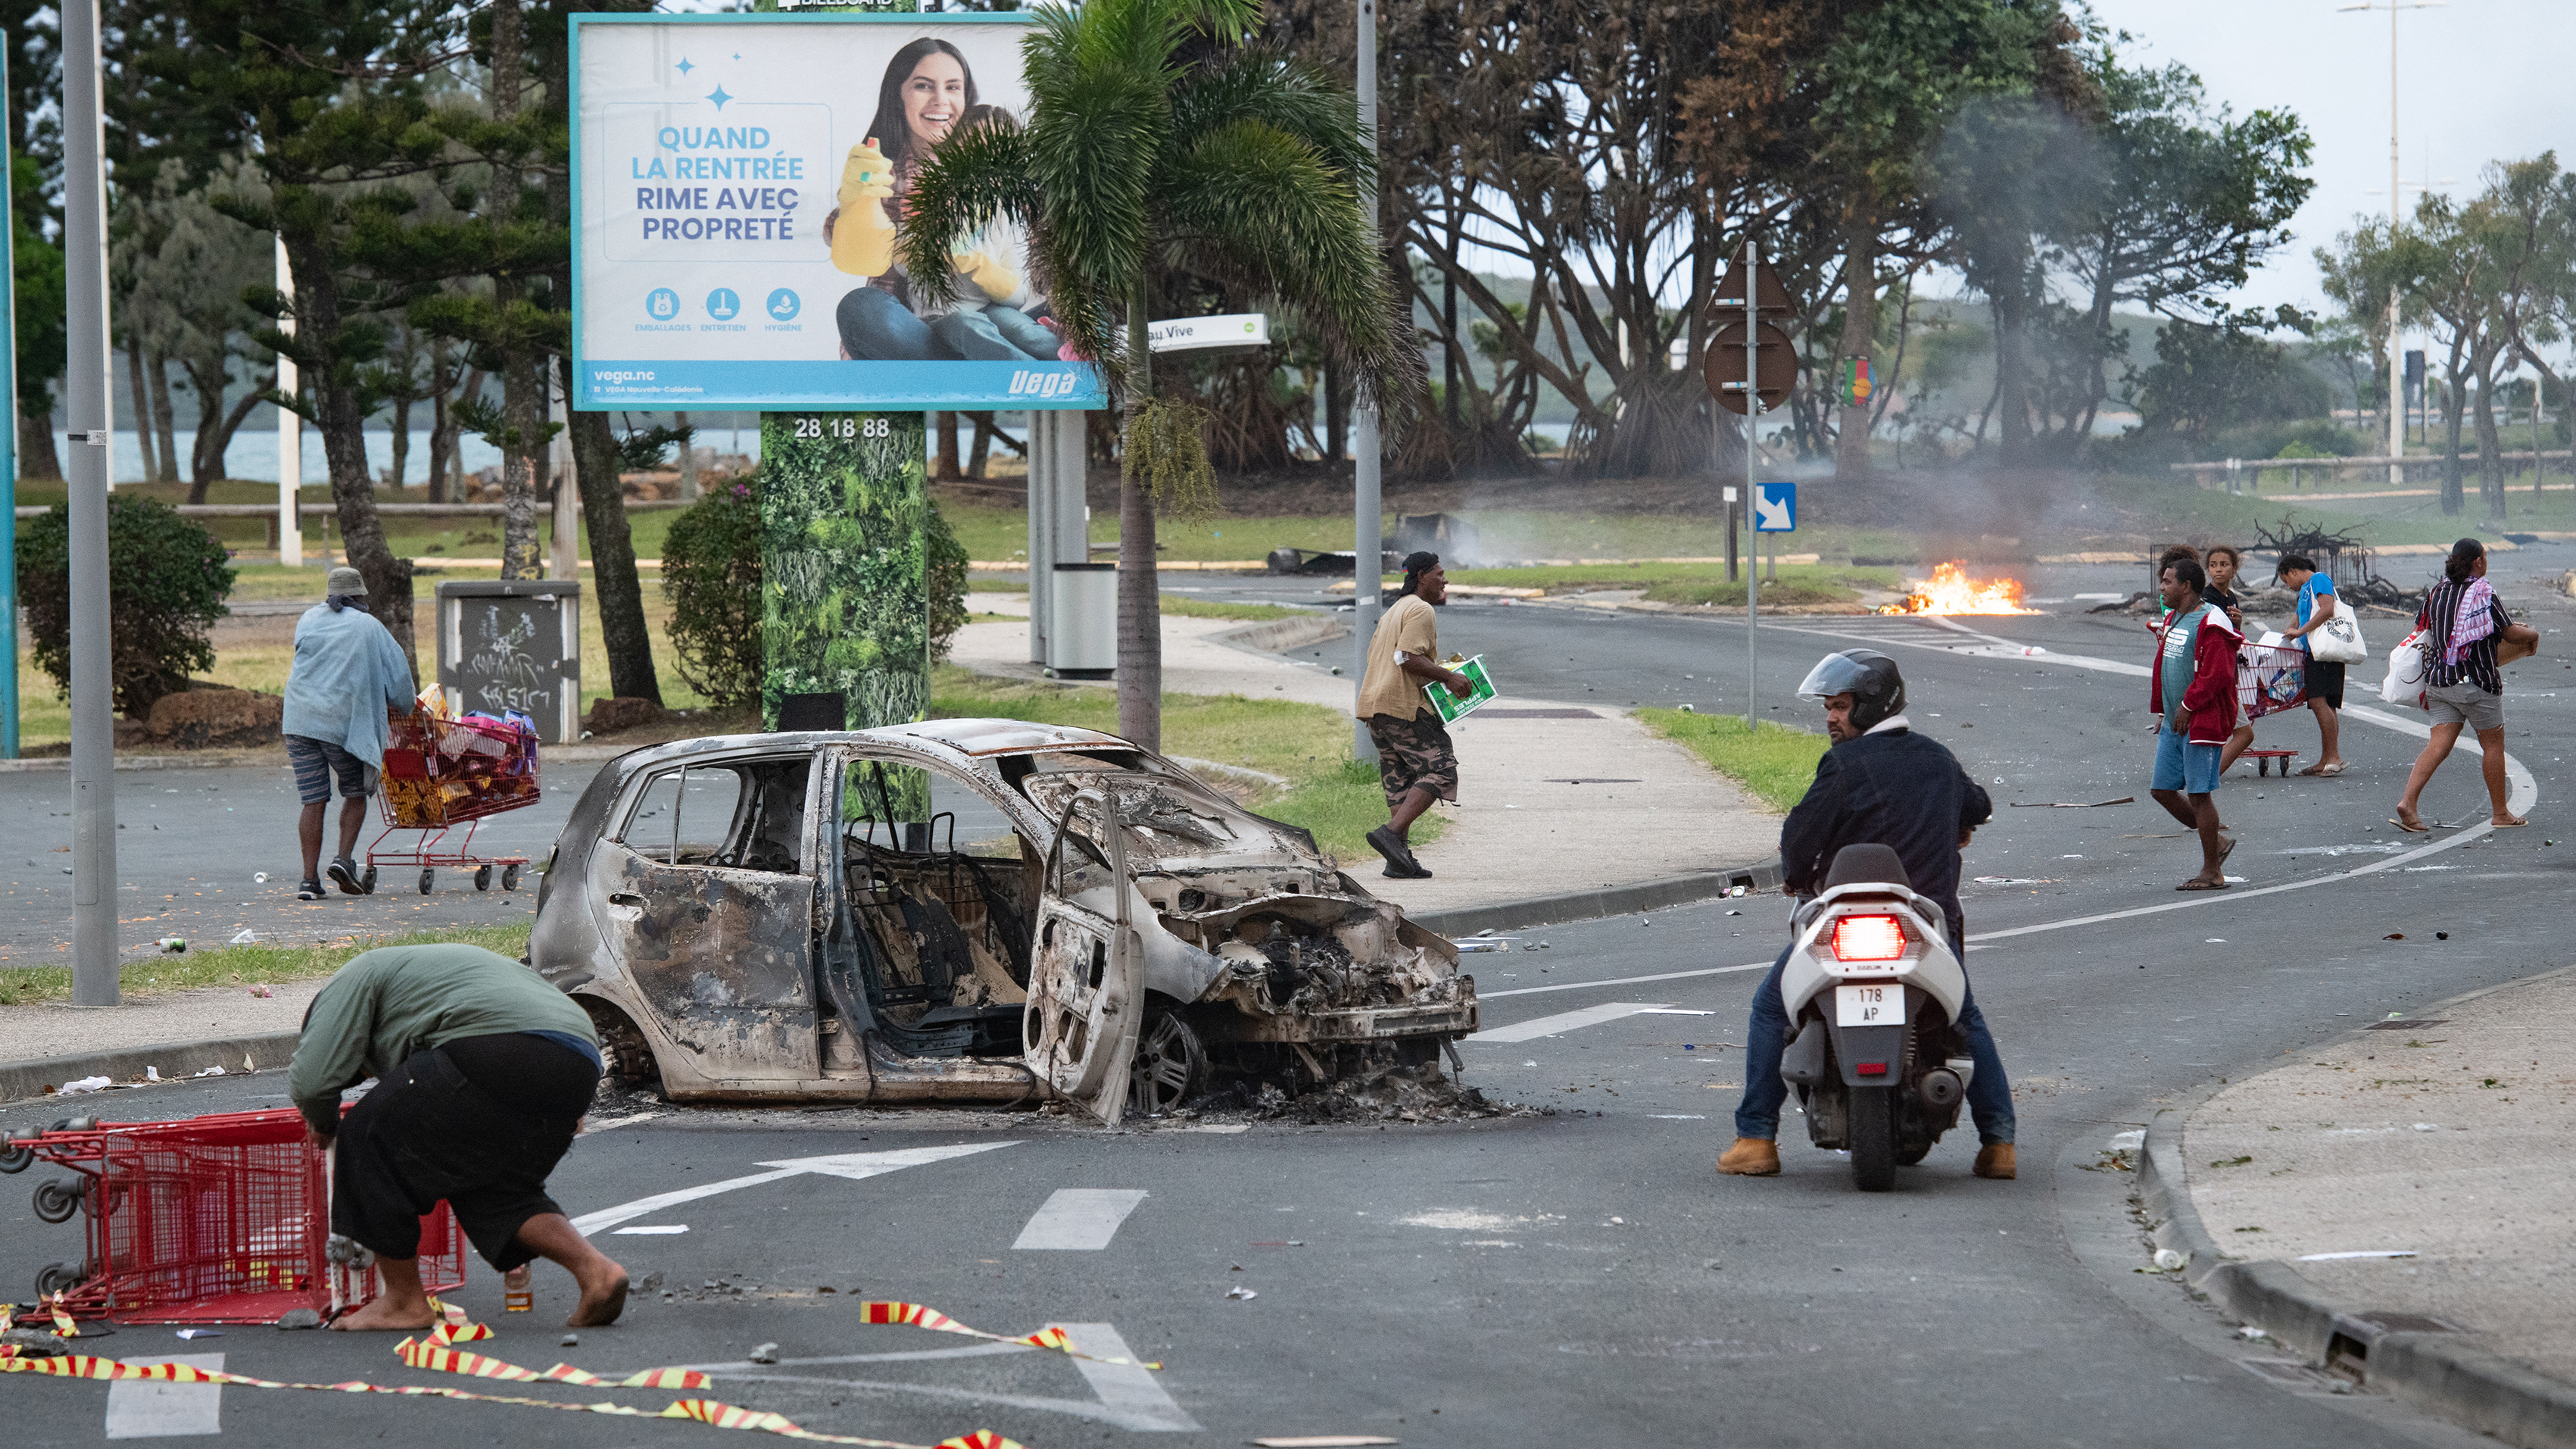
[507, 644]
[1082, 637]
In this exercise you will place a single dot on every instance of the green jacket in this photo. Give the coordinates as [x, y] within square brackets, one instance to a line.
[388, 1003]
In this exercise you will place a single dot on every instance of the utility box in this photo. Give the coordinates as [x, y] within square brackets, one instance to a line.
[1082, 637]
[513, 644]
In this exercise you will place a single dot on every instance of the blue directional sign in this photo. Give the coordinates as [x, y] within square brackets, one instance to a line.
[1775, 508]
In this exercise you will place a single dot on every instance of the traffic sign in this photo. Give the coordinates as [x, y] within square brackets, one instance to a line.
[1776, 366]
[1775, 508]
[1770, 299]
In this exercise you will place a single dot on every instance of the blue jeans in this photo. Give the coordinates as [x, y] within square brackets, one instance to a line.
[994, 334]
[877, 328]
[1758, 1115]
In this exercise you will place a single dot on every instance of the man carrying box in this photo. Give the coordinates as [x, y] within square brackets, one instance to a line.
[1415, 761]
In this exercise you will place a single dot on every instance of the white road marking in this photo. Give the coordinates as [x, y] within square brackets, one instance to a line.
[659, 1230]
[855, 1166]
[1613, 981]
[1078, 1219]
[141, 1409]
[1563, 1021]
[1125, 1388]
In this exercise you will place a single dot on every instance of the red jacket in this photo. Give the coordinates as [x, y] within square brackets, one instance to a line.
[2209, 701]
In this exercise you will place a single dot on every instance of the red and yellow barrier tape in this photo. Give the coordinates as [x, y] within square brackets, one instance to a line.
[923, 1316]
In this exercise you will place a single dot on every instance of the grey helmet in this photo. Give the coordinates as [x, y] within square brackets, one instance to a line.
[1869, 677]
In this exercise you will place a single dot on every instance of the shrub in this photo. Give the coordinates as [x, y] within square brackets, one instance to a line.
[711, 574]
[166, 581]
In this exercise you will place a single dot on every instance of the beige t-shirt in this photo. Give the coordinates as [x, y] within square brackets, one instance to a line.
[1387, 689]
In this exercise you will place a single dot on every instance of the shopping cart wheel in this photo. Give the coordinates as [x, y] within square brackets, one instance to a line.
[59, 1278]
[18, 1155]
[428, 878]
[367, 882]
[57, 1200]
[483, 877]
[509, 877]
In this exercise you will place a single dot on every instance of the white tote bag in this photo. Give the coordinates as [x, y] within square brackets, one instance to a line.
[2405, 682]
[2338, 640]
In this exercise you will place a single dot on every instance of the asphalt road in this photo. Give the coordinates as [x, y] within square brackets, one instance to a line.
[1582, 1278]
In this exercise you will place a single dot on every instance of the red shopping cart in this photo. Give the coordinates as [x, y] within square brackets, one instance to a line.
[221, 1219]
[441, 774]
[2270, 678]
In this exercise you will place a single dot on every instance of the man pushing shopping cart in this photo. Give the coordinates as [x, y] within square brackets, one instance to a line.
[483, 1072]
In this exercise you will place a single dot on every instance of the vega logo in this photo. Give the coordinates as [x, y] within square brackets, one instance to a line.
[1042, 384]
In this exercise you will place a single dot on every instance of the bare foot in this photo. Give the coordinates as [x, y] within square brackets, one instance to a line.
[383, 1315]
[603, 1297]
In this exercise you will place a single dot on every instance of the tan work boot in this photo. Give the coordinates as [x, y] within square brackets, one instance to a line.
[1995, 1160]
[1751, 1157]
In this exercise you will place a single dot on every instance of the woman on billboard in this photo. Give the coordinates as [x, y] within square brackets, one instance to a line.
[928, 94]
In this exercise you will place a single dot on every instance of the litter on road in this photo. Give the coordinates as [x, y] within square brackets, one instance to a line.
[2359, 1253]
[1238, 1291]
[2067, 804]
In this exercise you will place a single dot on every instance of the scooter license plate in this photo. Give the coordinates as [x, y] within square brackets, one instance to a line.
[1875, 1004]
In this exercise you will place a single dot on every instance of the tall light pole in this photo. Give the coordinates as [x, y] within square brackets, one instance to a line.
[86, 474]
[1367, 547]
[2396, 219]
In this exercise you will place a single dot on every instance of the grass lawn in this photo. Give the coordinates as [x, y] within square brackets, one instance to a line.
[1775, 762]
[245, 965]
[1329, 793]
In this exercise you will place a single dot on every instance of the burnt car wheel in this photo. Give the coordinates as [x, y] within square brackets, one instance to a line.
[1169, 1068]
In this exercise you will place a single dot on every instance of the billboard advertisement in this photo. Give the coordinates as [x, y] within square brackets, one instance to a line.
[739, 183]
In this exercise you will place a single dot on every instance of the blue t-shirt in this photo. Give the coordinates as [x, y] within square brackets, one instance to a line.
[2182, 640]
[2317, 587]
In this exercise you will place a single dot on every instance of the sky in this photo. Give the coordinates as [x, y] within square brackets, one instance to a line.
[2478, 81]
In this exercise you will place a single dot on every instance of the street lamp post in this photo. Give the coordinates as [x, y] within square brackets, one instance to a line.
[2396, 218]
[85, 472]
[1367, 546]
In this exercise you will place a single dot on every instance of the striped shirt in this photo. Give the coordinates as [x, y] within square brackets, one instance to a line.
[2439, 617]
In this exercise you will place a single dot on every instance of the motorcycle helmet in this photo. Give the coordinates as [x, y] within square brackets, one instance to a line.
[1869, 677]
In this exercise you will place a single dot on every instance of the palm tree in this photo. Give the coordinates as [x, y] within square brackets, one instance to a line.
[1161, 141]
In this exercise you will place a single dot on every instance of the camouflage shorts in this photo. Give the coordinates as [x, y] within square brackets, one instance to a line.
[1413, 752]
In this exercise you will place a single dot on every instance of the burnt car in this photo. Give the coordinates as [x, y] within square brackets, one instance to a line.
[743, 923]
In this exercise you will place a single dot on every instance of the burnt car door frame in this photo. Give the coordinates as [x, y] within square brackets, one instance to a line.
[1078, 996]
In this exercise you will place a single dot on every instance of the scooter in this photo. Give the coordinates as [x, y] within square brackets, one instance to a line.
[1873, 994]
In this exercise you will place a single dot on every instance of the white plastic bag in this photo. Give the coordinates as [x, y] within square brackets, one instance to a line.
[2405, 682]
[2338, 640]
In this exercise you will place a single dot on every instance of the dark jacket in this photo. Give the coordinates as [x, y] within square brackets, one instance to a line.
[1895, 789]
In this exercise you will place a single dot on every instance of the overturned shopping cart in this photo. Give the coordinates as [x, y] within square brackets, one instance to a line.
[441, 774]
[219, 1219]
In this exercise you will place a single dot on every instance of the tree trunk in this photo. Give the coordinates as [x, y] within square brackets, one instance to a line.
[1337, 418]
[2453, 495]
[344, 449]
[434, 487]
[2490, 466]
[36, 455]
[156, 375]
[981, 451]
[215, 430]
[944, 425]
[2012, 382]
[622, 633]
[142, 412]
[402, 443]
[523, 391]
[688, 458]
[1860, 335]
[1140, 604]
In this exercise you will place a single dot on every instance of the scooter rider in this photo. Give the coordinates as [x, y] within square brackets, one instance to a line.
[1880, 783]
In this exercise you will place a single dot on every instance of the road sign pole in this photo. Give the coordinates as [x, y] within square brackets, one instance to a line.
[1752, 410]
[94, 974]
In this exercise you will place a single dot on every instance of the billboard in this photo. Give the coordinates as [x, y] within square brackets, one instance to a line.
[738, 185]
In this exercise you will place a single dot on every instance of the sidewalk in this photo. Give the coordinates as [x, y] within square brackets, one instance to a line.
[1519, 830]
[2444, 1139]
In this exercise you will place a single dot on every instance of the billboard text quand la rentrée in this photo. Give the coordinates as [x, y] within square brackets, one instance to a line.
[717, 153]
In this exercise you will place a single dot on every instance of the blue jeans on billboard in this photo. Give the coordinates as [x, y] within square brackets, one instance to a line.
[1758, 1115]
[994, 334]
[875, 327]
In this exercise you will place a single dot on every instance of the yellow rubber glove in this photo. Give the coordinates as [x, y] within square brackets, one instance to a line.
[863, 237]
[990, 277]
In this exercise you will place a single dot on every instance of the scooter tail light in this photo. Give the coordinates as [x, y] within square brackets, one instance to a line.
[1868, 938]
[1871, 1069]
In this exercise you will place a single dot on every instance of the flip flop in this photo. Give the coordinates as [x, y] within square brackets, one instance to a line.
[2410, 829]
[2226, 848]
[2325, 771]
[2512, 825]
[2201, 885]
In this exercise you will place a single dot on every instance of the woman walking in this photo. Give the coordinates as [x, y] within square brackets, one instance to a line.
[2463, 623]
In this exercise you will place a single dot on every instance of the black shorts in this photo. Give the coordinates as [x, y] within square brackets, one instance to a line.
[2325, 681]
[479, 1122]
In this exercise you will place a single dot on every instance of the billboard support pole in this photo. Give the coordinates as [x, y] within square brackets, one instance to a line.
[1368, 547]
[9, 451]
[94, 971]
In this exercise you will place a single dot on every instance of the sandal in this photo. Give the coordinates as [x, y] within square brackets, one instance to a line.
[2196, 884]
[2322, 771]
[2410, 829]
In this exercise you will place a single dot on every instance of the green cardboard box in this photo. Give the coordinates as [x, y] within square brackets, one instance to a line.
[1450, 707]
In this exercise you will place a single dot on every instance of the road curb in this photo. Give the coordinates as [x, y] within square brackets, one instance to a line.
[2442, 1373]
[1648, 895]
[24, 1081]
